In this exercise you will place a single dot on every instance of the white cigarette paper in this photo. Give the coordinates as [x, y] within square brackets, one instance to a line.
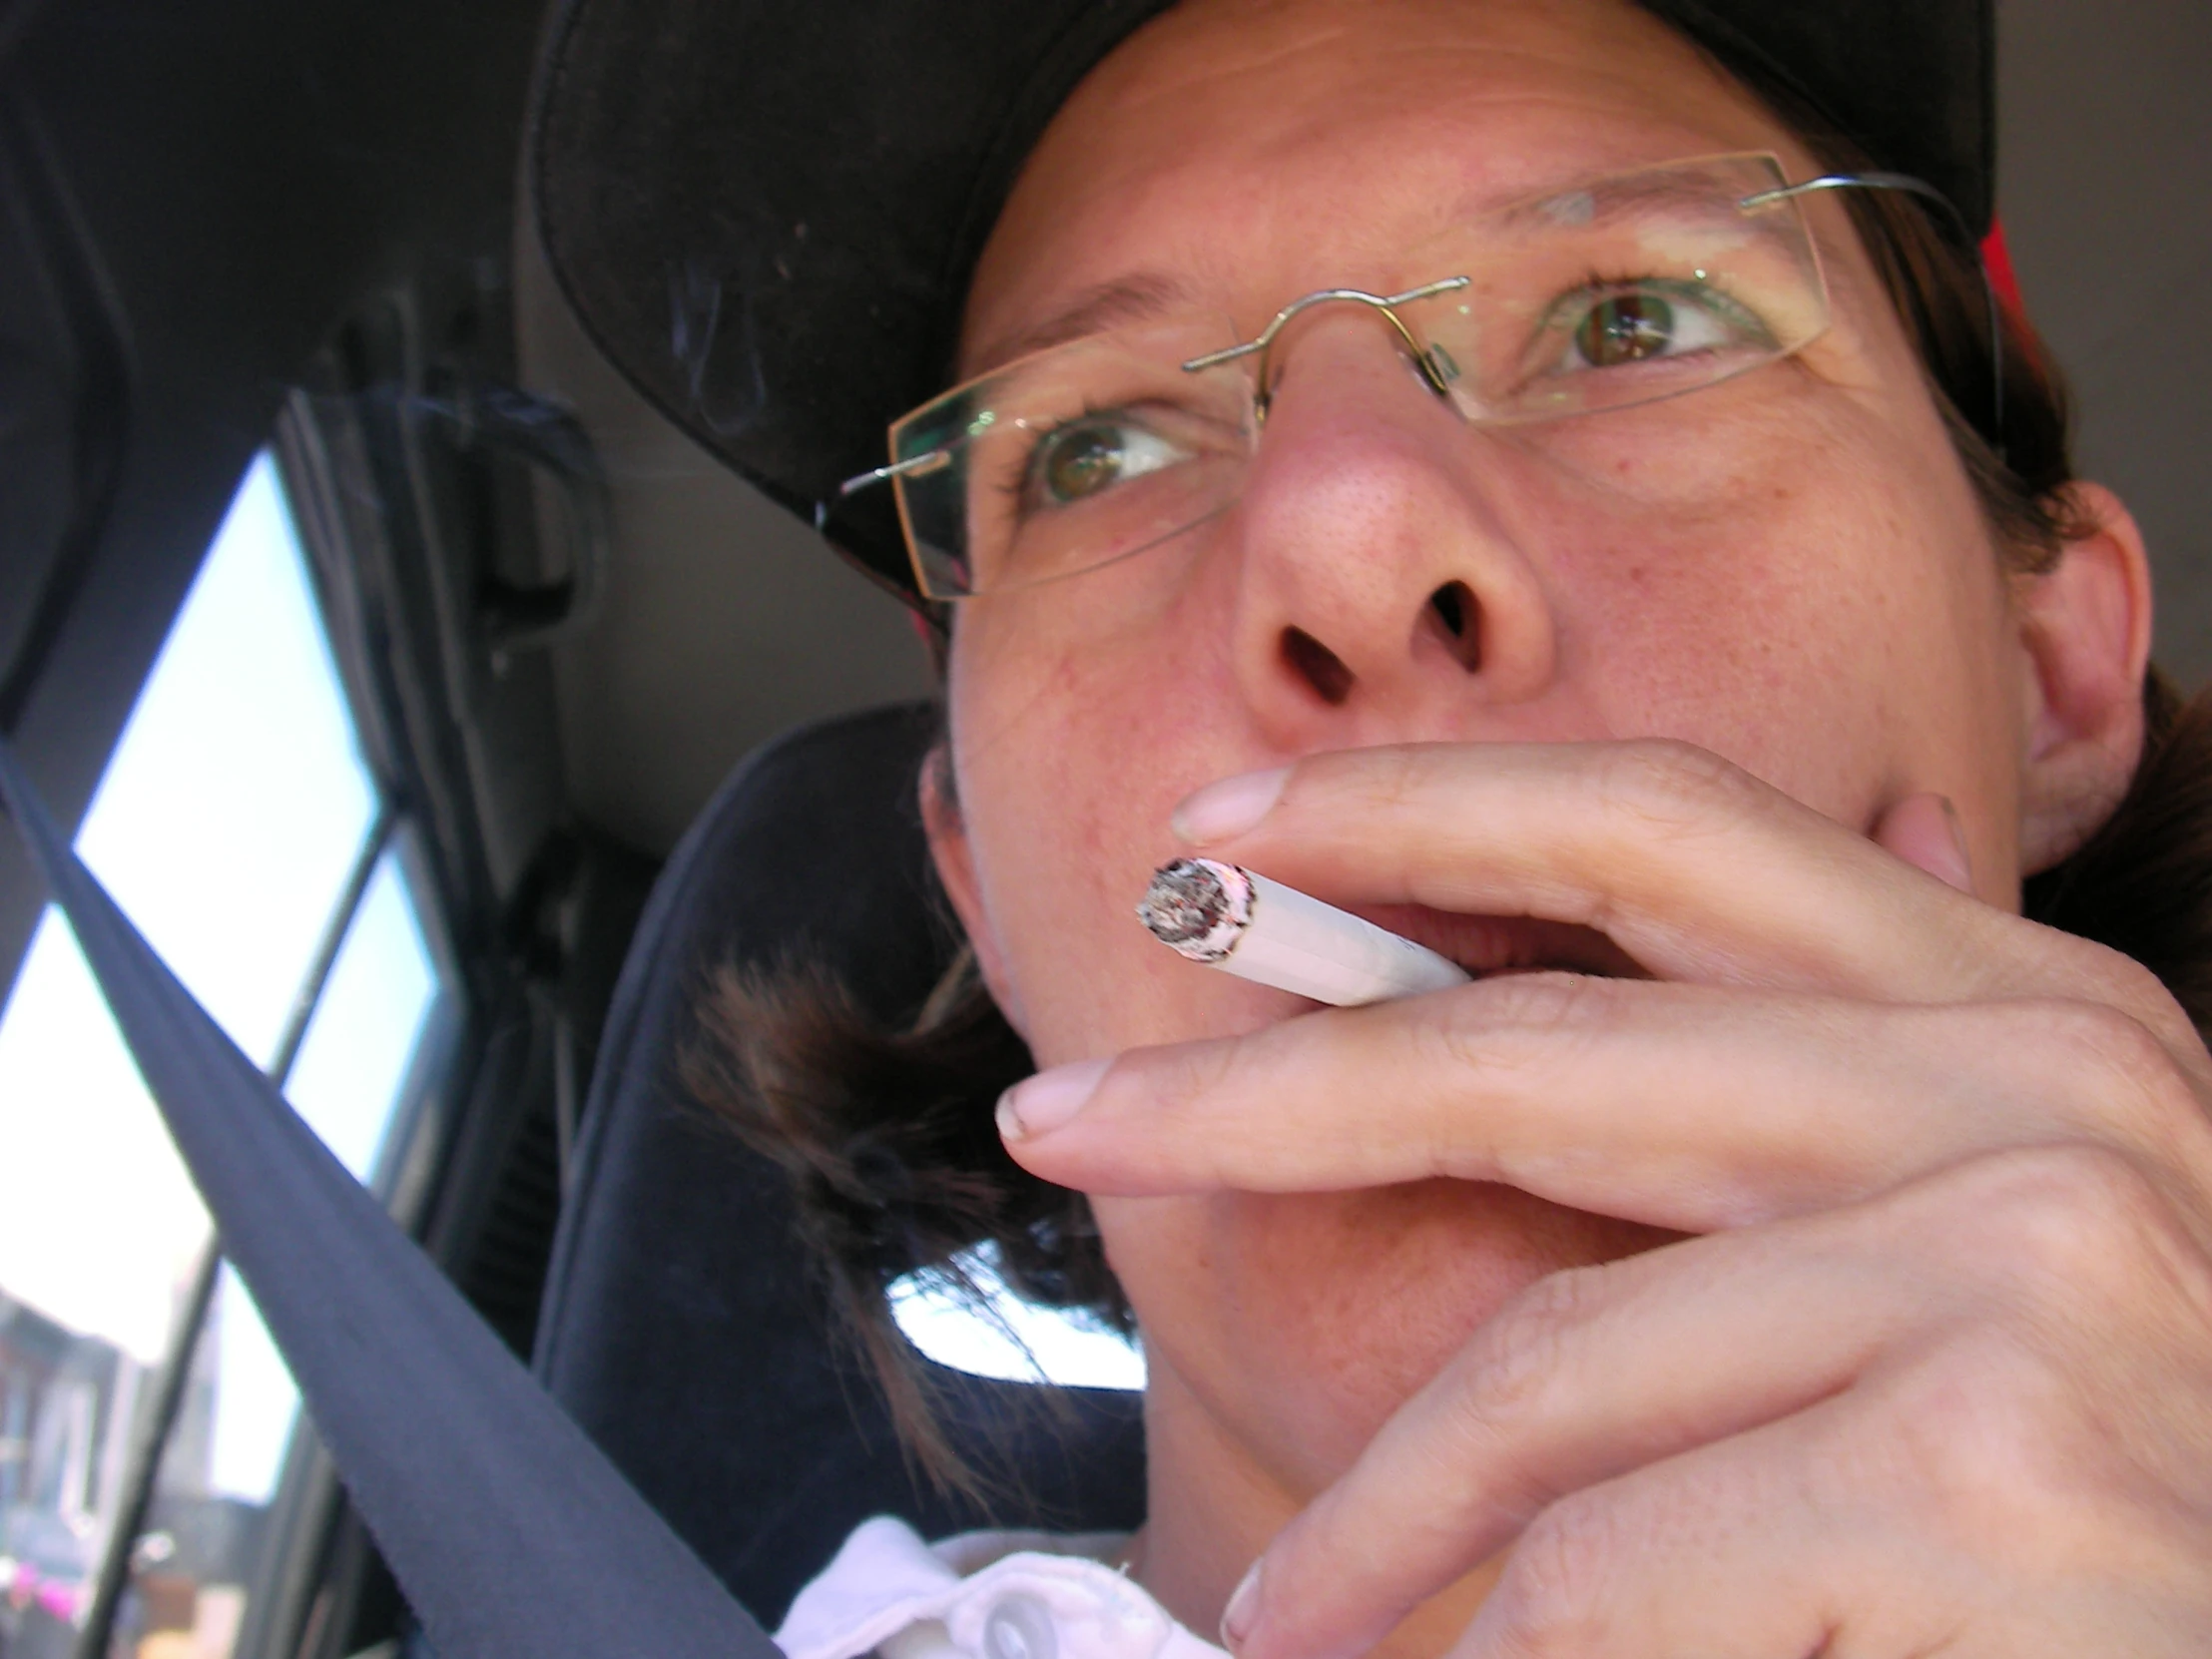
[1226, 918]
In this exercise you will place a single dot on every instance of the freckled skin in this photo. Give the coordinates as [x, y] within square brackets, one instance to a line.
[1808, 590]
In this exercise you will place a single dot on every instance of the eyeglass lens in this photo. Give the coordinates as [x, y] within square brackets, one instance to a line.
[1617, 292]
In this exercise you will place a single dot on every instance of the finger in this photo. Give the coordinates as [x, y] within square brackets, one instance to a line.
[2041, 1308]
[1680, 1106]
[1924, 831]
[1695, 868]
[1595, 1372]
[1726, 1552]
[1848, 1528]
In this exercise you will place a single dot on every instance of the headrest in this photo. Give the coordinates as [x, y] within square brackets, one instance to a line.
[681, 1324]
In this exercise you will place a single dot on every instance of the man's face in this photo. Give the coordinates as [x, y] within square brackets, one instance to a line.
[1788, 570]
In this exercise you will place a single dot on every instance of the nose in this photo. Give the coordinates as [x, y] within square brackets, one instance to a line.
[1376, 577]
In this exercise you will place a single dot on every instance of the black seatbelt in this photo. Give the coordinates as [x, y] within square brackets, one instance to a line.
[511, 1534]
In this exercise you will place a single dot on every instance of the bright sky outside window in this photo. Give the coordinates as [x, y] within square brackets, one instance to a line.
[350, 1070]
[230, 818]
[233, 812]
[1009, 1338]
[225, 825]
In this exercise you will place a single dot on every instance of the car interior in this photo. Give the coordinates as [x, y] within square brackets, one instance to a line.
[624, 722]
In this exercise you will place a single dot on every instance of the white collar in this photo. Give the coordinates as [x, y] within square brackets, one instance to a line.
[981, 1596]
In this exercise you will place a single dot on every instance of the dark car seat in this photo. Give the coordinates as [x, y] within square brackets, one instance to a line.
[680, 1326]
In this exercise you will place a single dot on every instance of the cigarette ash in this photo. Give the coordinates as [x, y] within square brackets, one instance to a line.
[1198, 908]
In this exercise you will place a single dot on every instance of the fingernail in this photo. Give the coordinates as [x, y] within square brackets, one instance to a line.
[1961, 876]
[1228, 807]
[1049, 1099]
[1243, 1611]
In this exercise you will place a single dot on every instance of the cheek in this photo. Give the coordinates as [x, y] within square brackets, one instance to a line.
[1835, 628]
[1074, 743]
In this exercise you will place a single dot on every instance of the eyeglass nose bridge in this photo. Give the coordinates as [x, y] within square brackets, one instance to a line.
[1436, 369]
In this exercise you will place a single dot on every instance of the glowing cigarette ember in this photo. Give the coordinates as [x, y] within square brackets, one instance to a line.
[1226, 918]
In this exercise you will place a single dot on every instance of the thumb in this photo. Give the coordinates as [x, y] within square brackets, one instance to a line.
[1924, 830]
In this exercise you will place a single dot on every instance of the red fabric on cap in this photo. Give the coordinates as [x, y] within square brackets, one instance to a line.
[1998, 260]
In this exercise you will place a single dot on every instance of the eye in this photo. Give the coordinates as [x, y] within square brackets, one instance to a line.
[1087, 457]
[1625, 329]
[1615, 324]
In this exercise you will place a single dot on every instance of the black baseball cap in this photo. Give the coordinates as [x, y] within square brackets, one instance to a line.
[766, 211]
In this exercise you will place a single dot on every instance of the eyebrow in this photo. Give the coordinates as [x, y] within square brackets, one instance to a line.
[1625, 193]
[1145, 296]
[1135, 299]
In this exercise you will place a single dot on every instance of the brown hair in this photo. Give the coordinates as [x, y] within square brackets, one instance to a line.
[888, 1136]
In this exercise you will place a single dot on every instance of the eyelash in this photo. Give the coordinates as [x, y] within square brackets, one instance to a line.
[1597, 285]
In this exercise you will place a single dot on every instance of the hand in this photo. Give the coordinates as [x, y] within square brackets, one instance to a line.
[1934, 1373]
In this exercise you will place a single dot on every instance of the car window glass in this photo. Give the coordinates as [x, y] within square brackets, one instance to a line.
[985, 1329]
[239, 828]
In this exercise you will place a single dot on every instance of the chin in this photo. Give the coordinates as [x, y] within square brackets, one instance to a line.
[1316, 1315]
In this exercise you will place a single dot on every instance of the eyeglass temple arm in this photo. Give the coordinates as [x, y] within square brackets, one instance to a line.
[929, 460]
[1905, 183]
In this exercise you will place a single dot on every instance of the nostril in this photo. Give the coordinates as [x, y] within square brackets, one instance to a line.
[1317, 665]
[1451, 603]
[1453, 606]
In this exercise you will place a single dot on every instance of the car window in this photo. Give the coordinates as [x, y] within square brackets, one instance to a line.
[980, 1326]
[239, 828]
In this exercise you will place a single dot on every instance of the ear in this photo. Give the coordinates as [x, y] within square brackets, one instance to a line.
[955, 856]
[2085, 629]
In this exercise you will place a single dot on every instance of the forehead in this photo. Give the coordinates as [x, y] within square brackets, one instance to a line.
[1236, 152]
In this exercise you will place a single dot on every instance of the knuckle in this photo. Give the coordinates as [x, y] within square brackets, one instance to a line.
[1380, 780]
[2131, 1074]
[1673, 788]
[1185, 1086]
[2106, 976]
[1551, 1598]
[1523, 1026]
[2123, 981]
[2099, 1033]
[1181, 1080]
[1516, 1364]
[1541, 1004]
[2075, 1225]
[2000, 1450]
[1987, 1438]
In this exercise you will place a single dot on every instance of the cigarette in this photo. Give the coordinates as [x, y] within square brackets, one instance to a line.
[1228, 917]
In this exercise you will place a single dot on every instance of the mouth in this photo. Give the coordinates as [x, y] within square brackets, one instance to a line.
[1491, 946]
